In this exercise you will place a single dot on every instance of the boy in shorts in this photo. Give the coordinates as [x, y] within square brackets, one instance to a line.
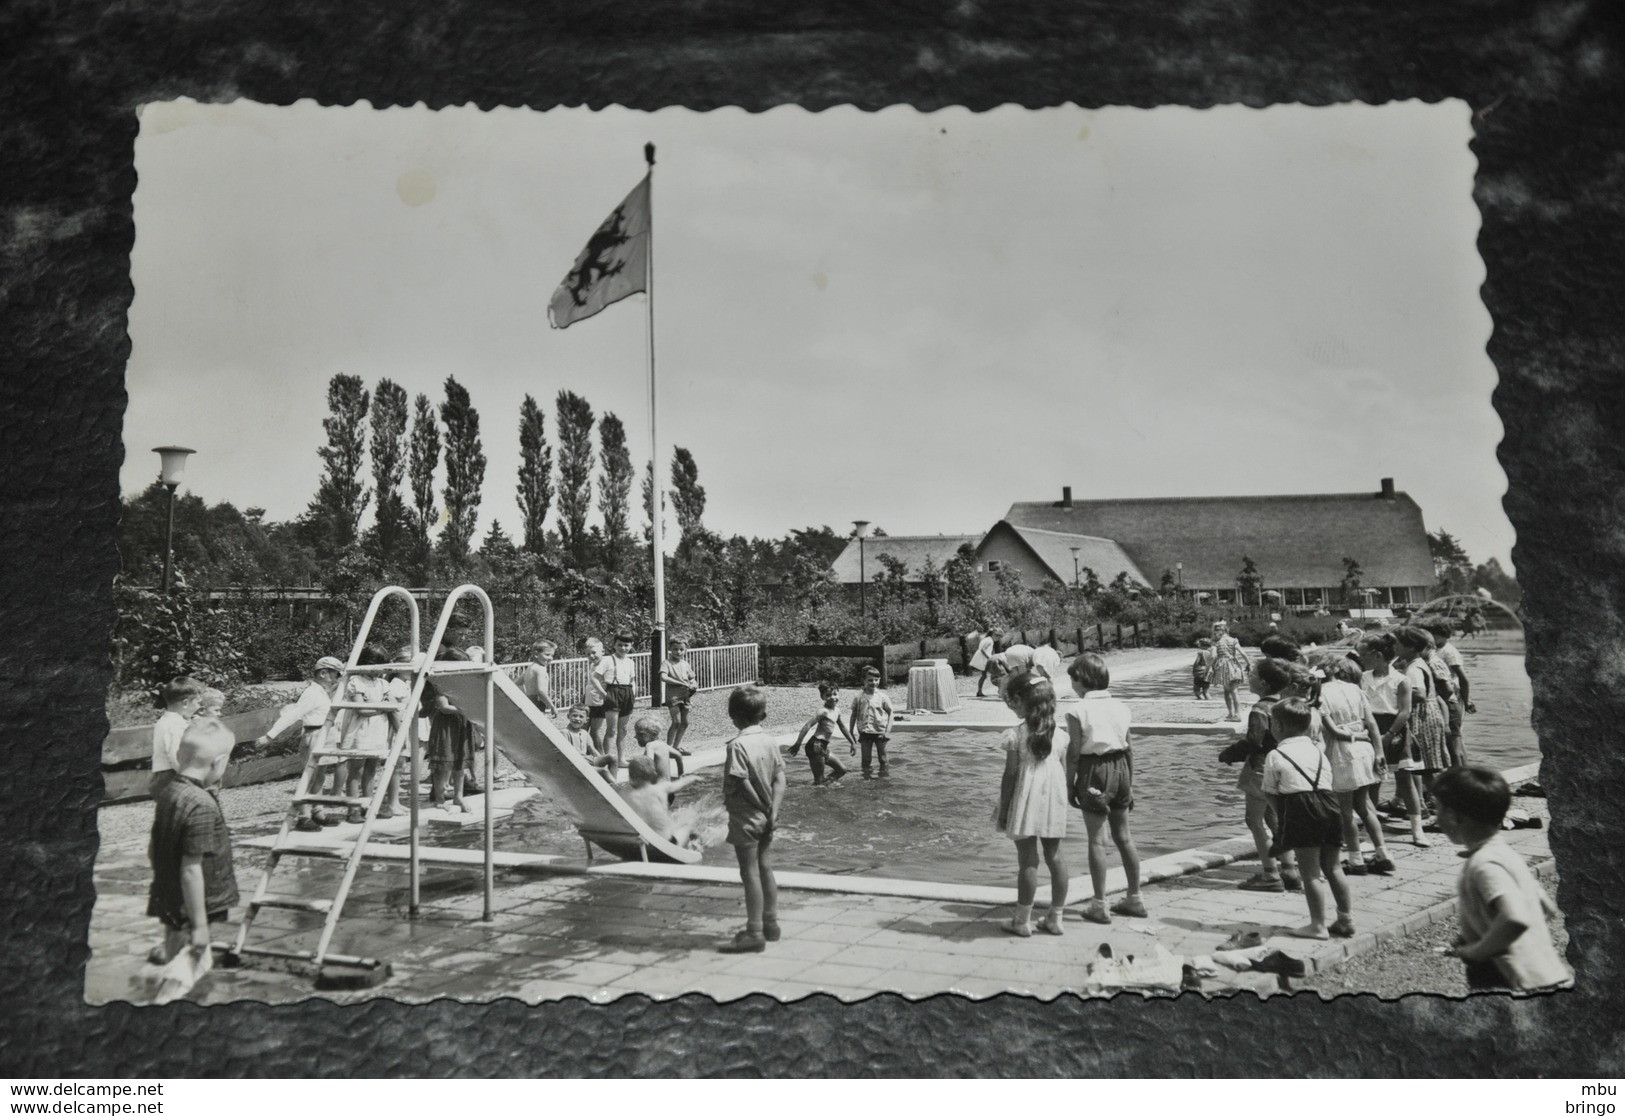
[871, 720]
[822, 725]
[752, 790]
[193, 882]
[617, 673]
[677, 673]
[1100, 781]
[1504, 941]
[593, 651]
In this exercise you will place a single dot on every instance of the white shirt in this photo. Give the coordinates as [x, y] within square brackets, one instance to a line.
[616, 671]
[310, 710]
[1280, 777]
[1382, 694]
[1100, 721]
[1494, 872]
[1047, 661]
[166, 741]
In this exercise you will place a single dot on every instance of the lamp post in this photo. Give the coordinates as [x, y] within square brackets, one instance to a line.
[860, 527]
[1179, 578]
[1075, 575]
[172, 463]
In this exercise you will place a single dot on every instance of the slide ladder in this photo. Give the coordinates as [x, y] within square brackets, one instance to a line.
[339, 970]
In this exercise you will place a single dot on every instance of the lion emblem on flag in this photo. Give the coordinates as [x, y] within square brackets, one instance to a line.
[595, 258]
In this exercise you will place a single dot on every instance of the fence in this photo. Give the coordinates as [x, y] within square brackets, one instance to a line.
[715, 668]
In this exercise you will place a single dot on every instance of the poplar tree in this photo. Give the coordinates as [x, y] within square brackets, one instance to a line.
[687, 496]
[465, 469]
[535, 474]
[614, 487]
[574, 416]
[388, 468]
[335, 514]
[425, 457]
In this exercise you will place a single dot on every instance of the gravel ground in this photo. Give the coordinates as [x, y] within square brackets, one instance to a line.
[1413, 963]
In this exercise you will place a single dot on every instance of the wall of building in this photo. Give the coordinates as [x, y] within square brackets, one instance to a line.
[1005, 548]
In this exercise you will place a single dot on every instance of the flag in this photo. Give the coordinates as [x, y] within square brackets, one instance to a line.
[614, 263]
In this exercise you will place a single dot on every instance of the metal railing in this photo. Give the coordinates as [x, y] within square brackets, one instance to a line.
[715, 668]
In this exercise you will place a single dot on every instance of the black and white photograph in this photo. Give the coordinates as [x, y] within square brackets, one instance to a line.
[592, 552]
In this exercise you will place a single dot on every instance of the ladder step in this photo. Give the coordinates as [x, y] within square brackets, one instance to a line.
[329, 800]
[349, 753]
[293, 903]
[380, 668]
[368, 706]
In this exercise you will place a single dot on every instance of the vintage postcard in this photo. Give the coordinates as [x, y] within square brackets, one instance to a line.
[1081, 566]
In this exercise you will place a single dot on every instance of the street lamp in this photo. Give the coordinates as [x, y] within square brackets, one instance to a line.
[860, 527]
[1075, 582]
[1179, 578]
[172, 463]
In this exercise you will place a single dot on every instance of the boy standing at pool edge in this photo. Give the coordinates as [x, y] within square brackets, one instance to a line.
[871, 720]
[753, 782]
[677, 673]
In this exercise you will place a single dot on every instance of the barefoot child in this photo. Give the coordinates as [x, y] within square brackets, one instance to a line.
[752, 790]
[1298, 781]
[1100, 781]
[617, 672]
[647, 731]
[1504, 941]
[580, 738]
[1230, 668]
[181, 697]
[982, 658]
[1032, 801]
[1202, 669]
[649, 792]
[1269, 680]
[593, 651]
[364, 730]
[823, 725]
[193, 882]
[1349, 730]
[534, 681]
[677, 673]
[871, 720]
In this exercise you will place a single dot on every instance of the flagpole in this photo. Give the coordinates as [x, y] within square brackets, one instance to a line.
[657, 638]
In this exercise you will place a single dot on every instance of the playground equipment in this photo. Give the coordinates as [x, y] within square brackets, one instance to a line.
[1460, 605]
[496, 705]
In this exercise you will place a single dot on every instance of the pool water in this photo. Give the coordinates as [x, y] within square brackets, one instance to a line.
[931, 818]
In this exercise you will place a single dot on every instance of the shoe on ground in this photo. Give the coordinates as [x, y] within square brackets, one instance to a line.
[1380, 866]
[1355, 868]
[157, 956]
[1242, 939]
[1260, 882]
[1018, 928]
[1051, 924]
[1281, 964]
[1342, 927]
[1133, 907]
[770, 929]
[308, 825]
[745, 941]
[1097, 914]
[1291, 881]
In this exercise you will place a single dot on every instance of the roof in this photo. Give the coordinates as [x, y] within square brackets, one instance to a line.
[1054, 548]
[910, 549]
[1296, 541]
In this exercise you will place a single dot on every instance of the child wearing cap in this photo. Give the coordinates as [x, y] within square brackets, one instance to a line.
[314, 713]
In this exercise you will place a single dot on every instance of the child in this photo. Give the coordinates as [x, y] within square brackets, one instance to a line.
[1268, 679]
[1504, 941]
[617, 673]
[193, 882]
[823, 725]
[677, 673]
[649, 792]
[1460, 699]
[581, 739]
[451, 737]
[646, 731]
[314, 713]
[1299, 783]
[752, 790]
[1100, 781]
[398, 690]
[593, 650]
[1349, 731]
[982, 658]
[1230, 668]
[1419, 727]
[871, 720]
[211, 703]
[534, 680]
[181, 697]
[1202, 669]
[364, 730]
[1032, 801]
[1047, 661]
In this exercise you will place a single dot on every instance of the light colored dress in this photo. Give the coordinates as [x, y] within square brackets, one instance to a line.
[1038, 804]
[1230, 664]
[1343, 704]
[1425, 732]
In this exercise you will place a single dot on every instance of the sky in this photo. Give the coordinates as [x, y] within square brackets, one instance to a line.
[913, 319]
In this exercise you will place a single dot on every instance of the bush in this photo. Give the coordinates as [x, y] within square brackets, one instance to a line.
[158, 636]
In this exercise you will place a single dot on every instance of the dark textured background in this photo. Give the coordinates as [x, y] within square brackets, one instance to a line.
[1545, 80]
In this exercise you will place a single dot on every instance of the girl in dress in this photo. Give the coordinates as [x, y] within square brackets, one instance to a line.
[1427, 724]
[1230, 668]
[1349, 731]
[1032, 800]
[363, 730]
[1388, 691]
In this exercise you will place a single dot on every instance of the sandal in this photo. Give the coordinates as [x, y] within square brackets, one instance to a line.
[1019, 929]
[1291, 881]
[1132, 906]
[1260, 882]
[1096, 913]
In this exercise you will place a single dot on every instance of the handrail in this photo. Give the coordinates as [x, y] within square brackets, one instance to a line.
[378, 599]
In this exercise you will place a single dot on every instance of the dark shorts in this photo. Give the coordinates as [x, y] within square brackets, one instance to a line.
[1298, 828]
[749, 827]
[618, 698]
[1105, 782]
[595, 712]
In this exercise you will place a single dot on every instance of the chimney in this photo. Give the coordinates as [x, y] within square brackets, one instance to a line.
[1387, 489]
[1066, 497]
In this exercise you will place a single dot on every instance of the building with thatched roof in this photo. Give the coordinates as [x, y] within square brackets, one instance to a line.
[912, 550]
[1046, 559]
[1297, 543]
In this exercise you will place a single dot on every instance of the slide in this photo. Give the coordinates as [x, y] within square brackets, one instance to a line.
[535, 745]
